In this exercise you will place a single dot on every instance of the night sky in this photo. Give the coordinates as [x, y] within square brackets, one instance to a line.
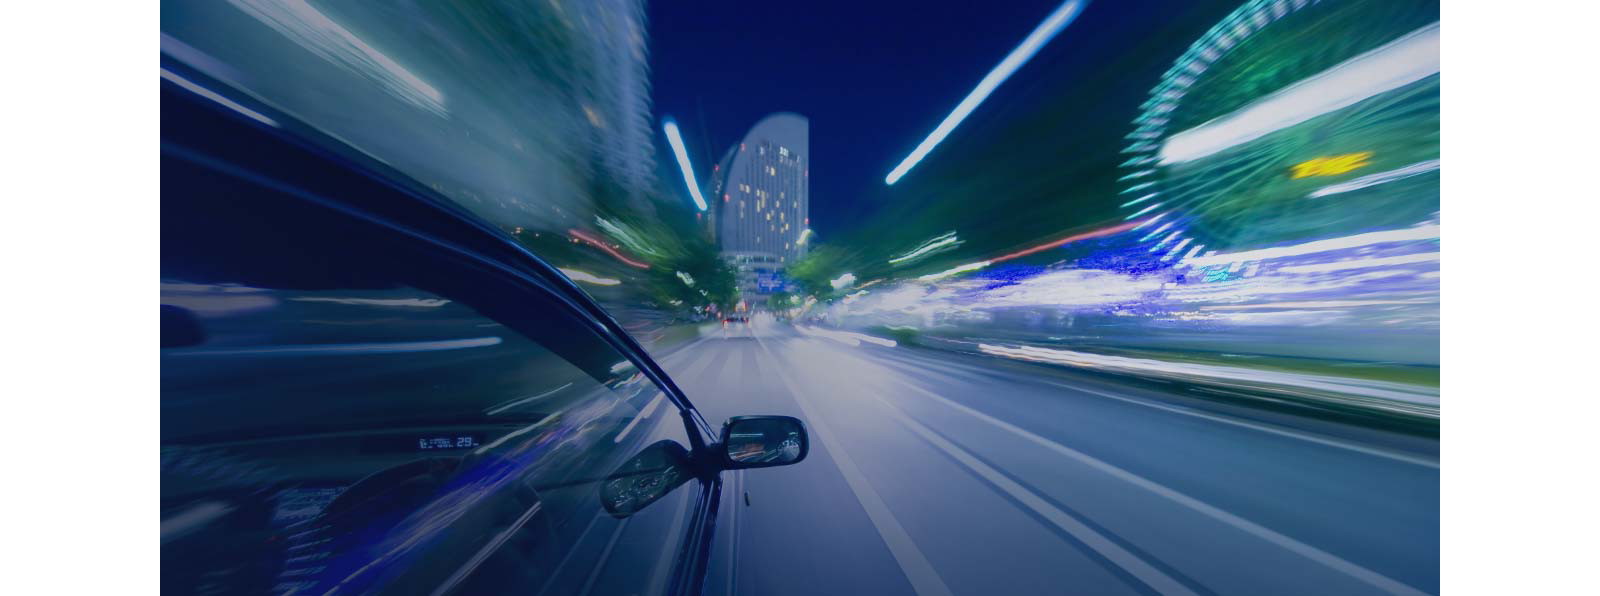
[876, 77]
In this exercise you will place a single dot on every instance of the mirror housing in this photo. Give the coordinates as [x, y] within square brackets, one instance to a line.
[645, 478]
[763, 442]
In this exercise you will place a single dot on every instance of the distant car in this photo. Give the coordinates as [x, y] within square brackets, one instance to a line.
[736, 320]
[365, 389]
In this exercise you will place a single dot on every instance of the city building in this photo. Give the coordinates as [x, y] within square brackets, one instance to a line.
[762, 194]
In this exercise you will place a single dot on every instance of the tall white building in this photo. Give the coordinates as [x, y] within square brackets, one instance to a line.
[763, 194]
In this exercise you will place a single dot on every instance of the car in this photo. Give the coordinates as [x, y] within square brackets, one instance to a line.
[367, 389]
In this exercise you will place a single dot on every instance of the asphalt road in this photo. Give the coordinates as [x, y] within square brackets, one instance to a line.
[933, 473]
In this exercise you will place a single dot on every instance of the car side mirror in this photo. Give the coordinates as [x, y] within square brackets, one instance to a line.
[763, 442]
[645, 478]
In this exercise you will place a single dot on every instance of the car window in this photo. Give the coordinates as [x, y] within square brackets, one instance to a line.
[310, 434]
[350, 410]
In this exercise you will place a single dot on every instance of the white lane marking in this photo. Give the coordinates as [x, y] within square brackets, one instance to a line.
[648, 410]
[518, 402]
[1310, 552]
[1421, 461]
[1129, 562]
[1261, 427]
[925, 581]
[699, 367]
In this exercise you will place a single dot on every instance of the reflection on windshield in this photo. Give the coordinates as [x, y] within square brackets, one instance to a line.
[358, 439]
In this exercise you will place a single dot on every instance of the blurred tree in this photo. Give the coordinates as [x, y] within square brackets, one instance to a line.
[818, 269]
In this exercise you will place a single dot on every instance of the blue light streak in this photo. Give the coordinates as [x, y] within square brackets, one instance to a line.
[1053, 24]
[676, 140]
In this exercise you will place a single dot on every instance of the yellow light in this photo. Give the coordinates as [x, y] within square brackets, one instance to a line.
[1331, 166]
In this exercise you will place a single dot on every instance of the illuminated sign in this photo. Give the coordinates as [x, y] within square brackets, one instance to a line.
[1331, 166]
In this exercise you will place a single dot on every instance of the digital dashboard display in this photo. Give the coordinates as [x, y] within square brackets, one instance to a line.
[445, 442]
[416, 442]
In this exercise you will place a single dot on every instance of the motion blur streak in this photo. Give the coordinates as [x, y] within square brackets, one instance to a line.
[601, 244]
[846, 337]
[1422, 232]
[676, 140]
[1190, 371]
[589, 278]
[1401, 62]
[212, 95]
[412, 302]
[311, 29]
[1376, 179]
[1428, 257]
[943, 242]
[955, 270]
[1100, 233]
[517, 402]
[1030, 45]
[345, 349]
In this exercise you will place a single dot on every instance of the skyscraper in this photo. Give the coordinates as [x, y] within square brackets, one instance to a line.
[762, 191]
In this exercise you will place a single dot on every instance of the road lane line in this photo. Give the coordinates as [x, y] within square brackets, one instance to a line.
[925, 581]
[1131, 563]
[1305, 550]
[1261, 427]
[1329, 442]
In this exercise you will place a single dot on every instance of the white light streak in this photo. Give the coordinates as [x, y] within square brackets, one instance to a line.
[1401, 62]
[1053, 24]
[416, 302]
[954, 270]
[343, 349]
[1427, 232]
[589, 278]
[213, 96]
[843, 282]
[1421, 167]
[1399, 392]
[945, 241]
[1428, 257]
[676, 140]
[314, 31]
